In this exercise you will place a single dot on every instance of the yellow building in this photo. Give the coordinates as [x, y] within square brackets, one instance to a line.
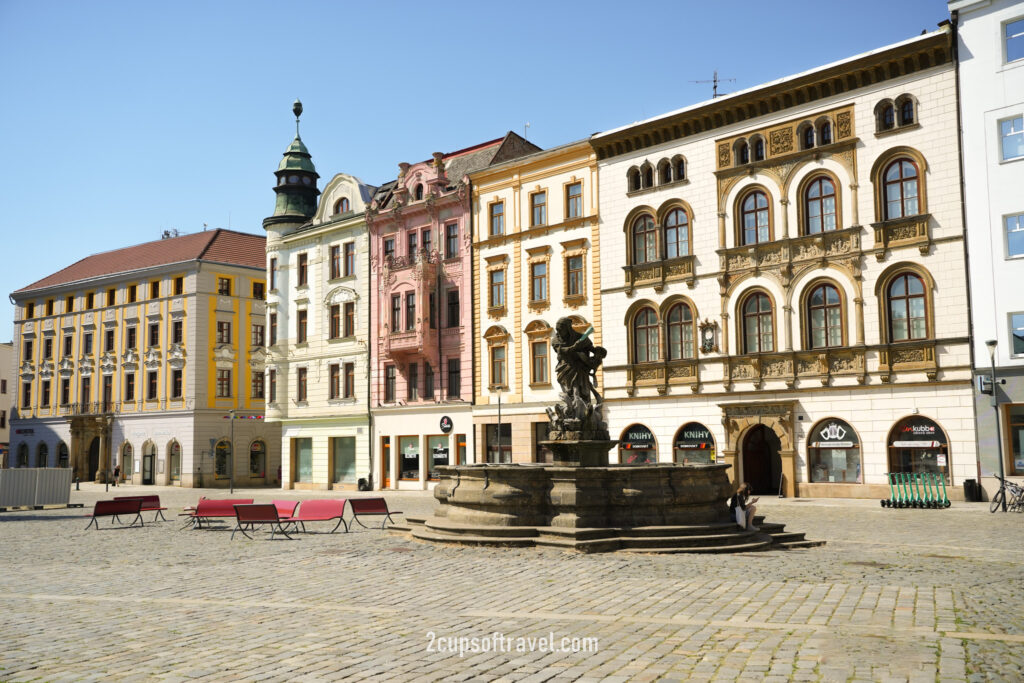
[537, 253]
[135, 358]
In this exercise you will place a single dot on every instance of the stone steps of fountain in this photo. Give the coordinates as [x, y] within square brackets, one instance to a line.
[755, 542]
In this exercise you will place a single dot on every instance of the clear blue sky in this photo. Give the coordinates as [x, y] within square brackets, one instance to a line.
[122, 119]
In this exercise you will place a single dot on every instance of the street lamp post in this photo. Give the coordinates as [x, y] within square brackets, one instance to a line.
[991, 344]
[231, 470]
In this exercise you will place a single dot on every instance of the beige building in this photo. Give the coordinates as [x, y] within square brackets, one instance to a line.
[134, 358]
[7, 384]
[537, 257]
[787, 264]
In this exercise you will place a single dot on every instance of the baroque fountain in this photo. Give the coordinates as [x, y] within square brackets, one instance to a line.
[581, 502]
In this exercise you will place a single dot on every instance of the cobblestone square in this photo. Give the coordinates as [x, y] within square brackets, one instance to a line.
[895, 595]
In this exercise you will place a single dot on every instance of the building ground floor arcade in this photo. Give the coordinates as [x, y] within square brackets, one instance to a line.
[838, 443]
[188, 449]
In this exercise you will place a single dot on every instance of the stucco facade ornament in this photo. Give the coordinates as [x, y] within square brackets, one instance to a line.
[224, 356]
[130, 360]
[108, 363]
[26, 370]
[85, 365]
[66, 367]
[176, 356]
[153, 359]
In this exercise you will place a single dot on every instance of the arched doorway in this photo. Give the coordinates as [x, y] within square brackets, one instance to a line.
[149, 463]
[127, 460]
[94, 459]
[762, 463]
[174, 461]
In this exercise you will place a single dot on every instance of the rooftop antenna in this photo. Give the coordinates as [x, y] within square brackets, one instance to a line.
[526, 128]
[715, 81]
[297, 110]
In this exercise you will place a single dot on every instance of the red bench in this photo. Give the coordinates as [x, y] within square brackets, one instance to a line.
[213, 508]
[149, 504]
[320, 511]
[371, 506]
[285, 508]
[114, 508]
[260, 513]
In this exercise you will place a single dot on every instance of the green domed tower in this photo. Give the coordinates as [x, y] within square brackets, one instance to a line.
[296, 183]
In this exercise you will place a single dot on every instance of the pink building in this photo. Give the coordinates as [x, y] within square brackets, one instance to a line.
[421, 312]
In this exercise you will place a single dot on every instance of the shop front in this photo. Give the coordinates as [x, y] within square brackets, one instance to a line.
[413, 443]
[637, 446]
[918, 445]
[834, 453]
[693, 445]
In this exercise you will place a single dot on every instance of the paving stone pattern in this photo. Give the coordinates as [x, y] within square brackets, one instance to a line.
[896, 595]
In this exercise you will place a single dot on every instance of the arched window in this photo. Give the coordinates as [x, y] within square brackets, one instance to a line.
[23, 455]
[759, 150]
[645, 336]
[221, 454]
[808, 137]
[825, 134]
[758, 330]
[664, 172]
[127, 459]
[901, 190]
[820, 206]
[419, 191]
[907, 112]
[677, 234]
[908, 318]
[633, 179]
[341, 206]
[42, 455]
[174, 456]
[824, 317]
[645, 240]
[648, 176]
[258, 460]
[743, 153]
[888, 117]
[680, 168]
[62, 454]
[680, 332]
[754, 218]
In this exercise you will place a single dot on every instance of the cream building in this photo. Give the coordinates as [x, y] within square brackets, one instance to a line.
[317, 319]
[7, 384]
[133, 358]
[537, 258]
[787, 264]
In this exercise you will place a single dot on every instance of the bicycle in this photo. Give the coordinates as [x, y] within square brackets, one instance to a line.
[1010, 491]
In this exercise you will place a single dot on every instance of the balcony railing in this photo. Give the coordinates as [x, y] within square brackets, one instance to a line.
[821, 365]
[657, 273]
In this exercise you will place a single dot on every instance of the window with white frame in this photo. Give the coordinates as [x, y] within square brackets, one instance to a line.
[1014, 234]
[1017, 334]
[1011, 135]
[1014, 38]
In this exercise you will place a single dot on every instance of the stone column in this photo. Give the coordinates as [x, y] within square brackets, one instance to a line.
[788, 317]
[784, 202]
[854, 210]
[788, 472]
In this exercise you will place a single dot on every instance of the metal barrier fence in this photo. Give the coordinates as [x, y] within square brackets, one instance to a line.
[916, 490]
[35, 486]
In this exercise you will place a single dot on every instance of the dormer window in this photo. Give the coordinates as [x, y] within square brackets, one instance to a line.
[418, 192]
[341, 206]
[293, 179]
[306, 180]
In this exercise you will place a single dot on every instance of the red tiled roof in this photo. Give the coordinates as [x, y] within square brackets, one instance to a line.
[221, 246]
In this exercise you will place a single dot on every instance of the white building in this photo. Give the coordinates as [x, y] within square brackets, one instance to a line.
[991, 62]
[791, 279]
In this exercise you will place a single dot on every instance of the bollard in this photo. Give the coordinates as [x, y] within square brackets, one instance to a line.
[76, 484]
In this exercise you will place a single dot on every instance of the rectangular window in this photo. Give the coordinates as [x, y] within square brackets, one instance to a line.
[90, 300]
[350, 258]
[30, 311]
[258, 337]
[396, 312]
[44, 394]
[499, 442]
[539, 353]
[65, 392]
[409, 457]
[87, 343]
[300, 329]
[67, 346]
[177, 331]
[111, 298]
[428, 381]
[224, 286]
[223, 384]
[412, 382]
[26, 394]
[133, 293]
[179, 286]
[389, 384]
[154, 334]
[451, 240]
[300, 384]
[86, 393]
[334, 388]
[497, 219]
[453, 307]
[426, 240]
[454, 378]
[3, 386]
[26, 349]
[1014, 34]
[223, 333]
[1014, 234]
[498, 366]
[272, 385]
[258, 291]
[538, 282]
[48, 348]
[131, 338]
[438, 454]
[334, 313]
[539, 208]
[411, 238]
[151, 385]
[497, 287]
[303, 275]
[350, 380]
[303, 449]
[432, 311]
[389, 247]
[154, 289]
[335, 261]
[410, 310]
[49, 307]
[176, 384]
[3, 419]
[574, 276]
[1011, 132]
[349, 328]
[273, 328]
[69, 304]
[1017, 333]
[273, 274]
[129, 386]
[344, 448]
[574, 200]
[108, 340]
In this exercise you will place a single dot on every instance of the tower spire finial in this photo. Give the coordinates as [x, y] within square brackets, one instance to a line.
[297, 110]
